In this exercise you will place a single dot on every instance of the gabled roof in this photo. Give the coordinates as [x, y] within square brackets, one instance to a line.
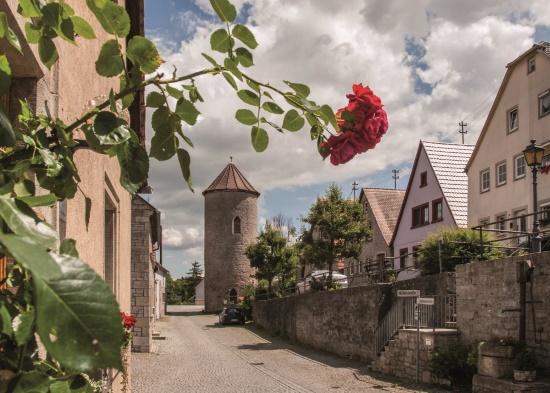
[385, 205]
[231, 179]
[542, 47]
[447, 161]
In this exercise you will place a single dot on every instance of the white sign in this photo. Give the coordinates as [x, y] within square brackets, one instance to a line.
[428, 341]
[428, 301]
[408, 293]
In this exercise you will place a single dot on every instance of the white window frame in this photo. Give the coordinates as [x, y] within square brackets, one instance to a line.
[544, 217]
[485, 177]
[513, 119]
[500, 225]
[501, 173]
[519, 167]
[531, 65]
[544, 98]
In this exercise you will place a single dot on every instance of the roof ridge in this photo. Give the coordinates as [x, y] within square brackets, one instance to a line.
[231, 179]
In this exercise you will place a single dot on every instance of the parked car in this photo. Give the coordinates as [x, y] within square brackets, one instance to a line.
[231, 314]
[320, 275]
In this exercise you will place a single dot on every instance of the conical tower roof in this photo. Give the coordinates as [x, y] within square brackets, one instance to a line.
[231, 179]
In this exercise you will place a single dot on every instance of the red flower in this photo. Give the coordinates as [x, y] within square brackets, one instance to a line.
[128, 321]
[356, 136]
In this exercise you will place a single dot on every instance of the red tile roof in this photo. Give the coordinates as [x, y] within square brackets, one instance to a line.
[231, 179]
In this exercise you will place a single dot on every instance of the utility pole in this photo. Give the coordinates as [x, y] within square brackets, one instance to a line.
[395, 177]
[354, 184]
[462, 125]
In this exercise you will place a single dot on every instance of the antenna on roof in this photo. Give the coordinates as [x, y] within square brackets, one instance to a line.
[230, 159]
[395, 177]
[354, 184]
[462, 125]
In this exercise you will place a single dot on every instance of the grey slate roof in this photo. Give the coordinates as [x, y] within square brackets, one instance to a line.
[448, 162]
[385, 205]
[231, 179]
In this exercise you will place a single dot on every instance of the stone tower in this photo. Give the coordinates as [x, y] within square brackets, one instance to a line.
[230, 226]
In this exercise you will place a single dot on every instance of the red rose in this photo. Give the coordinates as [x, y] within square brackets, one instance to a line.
[128, 321]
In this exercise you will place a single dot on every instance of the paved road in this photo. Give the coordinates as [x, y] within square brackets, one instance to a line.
[200, 355]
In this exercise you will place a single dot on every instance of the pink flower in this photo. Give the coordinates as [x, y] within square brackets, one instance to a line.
[362, 133]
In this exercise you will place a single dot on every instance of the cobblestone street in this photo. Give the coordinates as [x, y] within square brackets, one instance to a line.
[200, 355]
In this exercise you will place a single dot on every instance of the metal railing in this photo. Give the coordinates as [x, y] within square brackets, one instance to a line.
[441, 315]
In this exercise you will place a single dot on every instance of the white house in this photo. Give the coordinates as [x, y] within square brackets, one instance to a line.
[436, 196]
[499, 181]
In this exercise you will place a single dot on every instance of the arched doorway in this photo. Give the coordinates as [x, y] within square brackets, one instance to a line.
[233, 296]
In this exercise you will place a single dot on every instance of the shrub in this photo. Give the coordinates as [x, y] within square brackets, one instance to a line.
[460, 245]
[454, 362]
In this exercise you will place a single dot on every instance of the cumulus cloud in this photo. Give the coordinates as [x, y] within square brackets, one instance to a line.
[458, 61]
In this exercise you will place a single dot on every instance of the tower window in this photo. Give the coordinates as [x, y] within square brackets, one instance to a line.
[233, 296]
[236, 225]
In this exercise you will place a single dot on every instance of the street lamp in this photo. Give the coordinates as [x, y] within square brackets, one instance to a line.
[533, 157]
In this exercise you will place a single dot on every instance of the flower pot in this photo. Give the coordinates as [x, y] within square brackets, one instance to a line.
[525, 376]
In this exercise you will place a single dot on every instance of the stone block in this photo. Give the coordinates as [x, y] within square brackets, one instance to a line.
[495, 367]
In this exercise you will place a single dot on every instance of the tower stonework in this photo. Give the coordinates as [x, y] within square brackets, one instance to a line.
[230, 226]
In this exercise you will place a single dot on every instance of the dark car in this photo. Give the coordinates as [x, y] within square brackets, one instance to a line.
[231, 314]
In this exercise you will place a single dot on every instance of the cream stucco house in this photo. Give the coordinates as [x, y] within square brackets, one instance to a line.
[499, 181]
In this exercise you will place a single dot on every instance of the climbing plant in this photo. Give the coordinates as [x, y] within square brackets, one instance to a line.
[57, 301]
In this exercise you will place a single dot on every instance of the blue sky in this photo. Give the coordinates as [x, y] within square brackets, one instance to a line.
[434, 63]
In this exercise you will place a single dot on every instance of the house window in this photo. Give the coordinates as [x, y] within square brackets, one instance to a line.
[500, 223]
[415, 254]
[110, 252]
[520, 222]
[531, 65]
[485, 180]
[403, 253]
[236, 225]
[423, 179]
[381, 259]
[351, 268]
[483, 221]
[501, 174]
[544, 103]
[420, 215]
[437, 210]
[233, 296]
[359, 267]
[519, 167]
[513, 120]
[544, 218]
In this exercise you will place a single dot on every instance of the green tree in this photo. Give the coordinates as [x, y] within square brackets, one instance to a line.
[460, 245]
[270, 255]
[194, 274]
[337, 229]
[37, 169]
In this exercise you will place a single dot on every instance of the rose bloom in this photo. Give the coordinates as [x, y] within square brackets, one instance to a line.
[128, 321]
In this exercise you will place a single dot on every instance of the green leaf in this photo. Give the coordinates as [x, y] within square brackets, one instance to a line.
[29, 9]
[23, 221]
[347, 116]
[110, 130]
[109, 62]
[176, 93]
[77, 317]
[211, 60]
[126, 83]
[68, 247]
[83, 28]
[187, 111]
[301, 90]
[75, 384]
[23, 326]
[30, 255]
[7, 136]
[142, 51]
[155, 99]
[134, 164]
[220, 41]
[30, 382]
[224, 9]
[249, 97]
[88, 205]
[5, 320]
[260, 139]
[47, 51]
[310, 105]
[293, 121]
[272, 107]
[113, 18]
[185, 162]
[328, 115]
[264, 120]
[39, 200]
[243, 34]
[244, 57]
[246, 117]
[32, 33]
[24, 188]
[5, 31]
[232, 67]
[230, 80]
[52, 16]
[253, 85]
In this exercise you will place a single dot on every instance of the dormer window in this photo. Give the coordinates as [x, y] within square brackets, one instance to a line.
[236, 225]
[531, 65]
